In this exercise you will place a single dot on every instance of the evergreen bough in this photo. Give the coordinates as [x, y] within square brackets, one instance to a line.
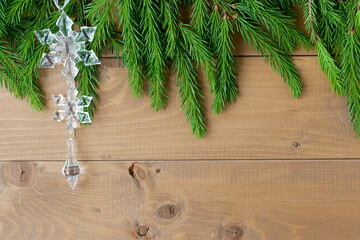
[151, 37]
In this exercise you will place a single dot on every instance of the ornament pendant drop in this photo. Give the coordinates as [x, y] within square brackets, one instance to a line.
[71, 169]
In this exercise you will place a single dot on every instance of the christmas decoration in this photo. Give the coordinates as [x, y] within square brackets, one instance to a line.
[68, 48]
[154, 38]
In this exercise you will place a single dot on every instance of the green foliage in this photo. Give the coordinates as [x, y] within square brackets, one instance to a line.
[150, 38]
[280, 61]
[335, 29]
[133, 51]
[182, 42]
[226, 88]
[154, 53]
[351, 74]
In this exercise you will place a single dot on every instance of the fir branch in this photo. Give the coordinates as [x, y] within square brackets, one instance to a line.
[154, 53]
[133, 46]
[30, 49]
[326, 61]
[329, 67]
[190, 93]
[226, 88]
[171, 24]
[215, 20]
[17, 9]
[201, 53]
[281, 26]
[351, 74]
[9, 70]
[3, 21]
[311, 23]
[279, 60]
[200, 17]
[186, 76]
[332, 24]
[100, 13]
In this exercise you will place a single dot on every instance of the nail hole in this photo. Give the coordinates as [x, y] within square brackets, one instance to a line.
[158, 170]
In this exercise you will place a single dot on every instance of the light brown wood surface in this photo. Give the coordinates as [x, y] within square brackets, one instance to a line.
[178, 200]
[264, 123]
[271, 167]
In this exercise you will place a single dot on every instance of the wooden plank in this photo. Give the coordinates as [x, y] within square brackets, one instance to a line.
[176, 200]
[265, 122]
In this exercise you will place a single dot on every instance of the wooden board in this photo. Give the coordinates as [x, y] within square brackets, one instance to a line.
[264, 123]
[177, 200]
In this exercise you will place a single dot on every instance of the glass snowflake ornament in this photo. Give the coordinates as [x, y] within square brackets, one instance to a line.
[67, 47]
[71, 108]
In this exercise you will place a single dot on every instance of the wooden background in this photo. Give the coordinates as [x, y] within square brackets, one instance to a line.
[270, 168]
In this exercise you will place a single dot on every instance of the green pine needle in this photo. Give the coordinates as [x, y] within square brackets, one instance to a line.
[190, 93]
[201, 53]
[226, 88]
[279, 60]
[351, 74]
[133, 46]
[154, 53]
[329, 67]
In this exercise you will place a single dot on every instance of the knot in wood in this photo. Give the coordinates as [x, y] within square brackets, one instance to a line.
[141, 231]
[232, 232]
[19, 174]
[137, 172]
[296, 144]
[168, 211]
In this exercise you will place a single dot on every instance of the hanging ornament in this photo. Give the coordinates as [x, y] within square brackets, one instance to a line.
[67, 47]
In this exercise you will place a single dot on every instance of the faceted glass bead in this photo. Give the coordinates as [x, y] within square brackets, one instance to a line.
[84, 101]
[46, 37]
[70, 69]
[88, 57]
[71, 122]
[48, 60]
[84, 117]
[86, 34]
[66, 47]
[65, 24]
[59, 99]
[72, 94]
[58, 115]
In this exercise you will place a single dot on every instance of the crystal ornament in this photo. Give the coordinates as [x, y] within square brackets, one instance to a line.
[67, 47]
[72, 109]
[59, 5]
[86, 34]
[71, 169]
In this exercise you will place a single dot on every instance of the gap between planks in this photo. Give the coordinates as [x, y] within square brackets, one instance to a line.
[274, 160]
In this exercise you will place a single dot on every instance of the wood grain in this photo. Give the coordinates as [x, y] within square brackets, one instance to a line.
[176, 200]
[264, 123]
